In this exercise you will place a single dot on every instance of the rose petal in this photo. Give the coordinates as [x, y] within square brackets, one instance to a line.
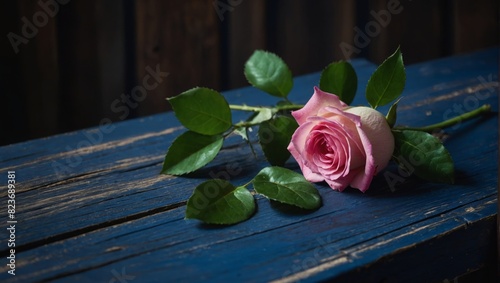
[339, 159]
[296, 147]
[341, 183]
[319, 100]
[379, 133]
[363, 179]
[343, 127]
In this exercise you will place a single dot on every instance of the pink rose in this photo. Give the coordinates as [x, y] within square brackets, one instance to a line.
[339, 144]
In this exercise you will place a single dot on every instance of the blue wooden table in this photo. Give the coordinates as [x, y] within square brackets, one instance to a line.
[91, 205]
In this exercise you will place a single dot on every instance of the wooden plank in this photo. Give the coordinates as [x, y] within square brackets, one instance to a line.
[183, 250]
[306, 34]
[82, 161]
[138, 227]
[12, 112]
[39, 70]
[407, 23]
[91, 61]
[475, 25]
[110, 53]
[344, 17]
[181, 38]
[246, 32]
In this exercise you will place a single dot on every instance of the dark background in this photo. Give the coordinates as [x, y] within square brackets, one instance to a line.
[81, 59]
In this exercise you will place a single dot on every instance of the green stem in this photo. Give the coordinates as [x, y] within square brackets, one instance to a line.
[246, 108]
[289, 107]
[246, 124]
[450, 122]
[260, 108]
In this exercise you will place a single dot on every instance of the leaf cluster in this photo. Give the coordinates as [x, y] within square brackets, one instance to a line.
[207, 117]
[217, 201]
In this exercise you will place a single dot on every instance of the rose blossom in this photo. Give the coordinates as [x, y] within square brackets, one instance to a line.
[339, 144]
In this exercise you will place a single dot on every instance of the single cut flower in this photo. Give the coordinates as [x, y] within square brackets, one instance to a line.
[339, 144]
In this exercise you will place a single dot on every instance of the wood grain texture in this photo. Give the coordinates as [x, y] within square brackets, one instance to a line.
[91, 58]
[40, 83]
[69, 75]
[307, 34]
[104, 210]
[246, 31]
[432, 29]
[475, 25]
[420, 28]
[10, 77]
[183, 39]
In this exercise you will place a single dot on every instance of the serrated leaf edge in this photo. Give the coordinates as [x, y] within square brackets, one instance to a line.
[278, 88]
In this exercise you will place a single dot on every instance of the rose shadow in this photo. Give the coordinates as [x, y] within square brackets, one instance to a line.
[290, 210]
[220, 171]
[414, 186]
[206, 226]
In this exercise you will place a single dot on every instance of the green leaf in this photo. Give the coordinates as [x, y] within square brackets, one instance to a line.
[190, 151]
[202, 110]
[268, 72]
[219, 202]
[424, 155]
[274, 137]
[260, 116]
[340, 79]
[286, 186]
[392, 115]
[387, 82]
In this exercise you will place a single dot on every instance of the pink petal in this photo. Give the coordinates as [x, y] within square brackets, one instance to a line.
[319, 100]
[346, 126]
[364, 178]
[295, 147]
[339, 184]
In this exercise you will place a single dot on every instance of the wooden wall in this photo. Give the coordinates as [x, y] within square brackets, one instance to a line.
[91, 60]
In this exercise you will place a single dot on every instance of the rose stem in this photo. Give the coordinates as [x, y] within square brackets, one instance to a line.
[260, 108]
[450, 122]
